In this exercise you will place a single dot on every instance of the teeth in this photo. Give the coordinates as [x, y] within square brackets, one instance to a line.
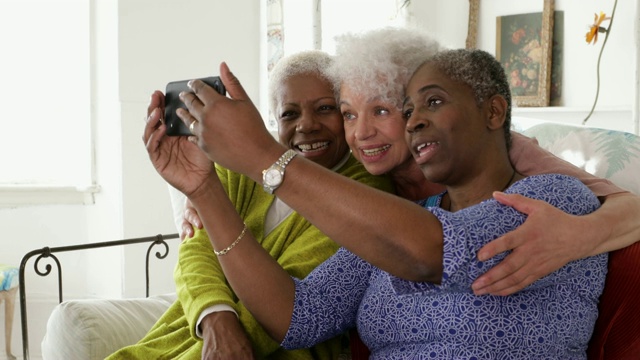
[422, 146]
[314, 146]
[372, 152]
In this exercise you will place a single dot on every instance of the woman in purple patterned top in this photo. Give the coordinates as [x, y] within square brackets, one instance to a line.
[456, 109]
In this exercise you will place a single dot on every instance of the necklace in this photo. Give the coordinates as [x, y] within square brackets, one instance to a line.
[513, 175]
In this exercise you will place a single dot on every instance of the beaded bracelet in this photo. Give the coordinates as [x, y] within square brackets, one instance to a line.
[233, 244]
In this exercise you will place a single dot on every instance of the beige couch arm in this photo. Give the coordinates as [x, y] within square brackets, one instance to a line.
[93, 329]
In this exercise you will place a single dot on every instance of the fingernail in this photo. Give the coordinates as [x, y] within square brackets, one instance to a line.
[480, 256]
[478, 289]
[479, 292]
[190, 84]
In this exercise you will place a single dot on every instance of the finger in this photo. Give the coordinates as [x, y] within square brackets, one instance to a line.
[157, 101]
[203, 94]
[192, 217]
[507, 274]
[508, 286]
[187, 230]
[153, 119]
[521, 203]
[190, 100]
[232, 84]
[508, 291]
[504, 243]
[188, 119]
[153, 130]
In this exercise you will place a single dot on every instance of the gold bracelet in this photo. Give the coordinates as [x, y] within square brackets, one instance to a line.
[233, 244]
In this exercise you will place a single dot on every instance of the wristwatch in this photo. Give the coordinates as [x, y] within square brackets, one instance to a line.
[274, 175]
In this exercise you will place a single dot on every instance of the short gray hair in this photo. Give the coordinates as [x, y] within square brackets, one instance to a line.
[479, 70]
[305, 62]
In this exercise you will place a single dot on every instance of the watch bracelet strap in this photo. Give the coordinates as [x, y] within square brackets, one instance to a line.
[281, 163]
[284, 160]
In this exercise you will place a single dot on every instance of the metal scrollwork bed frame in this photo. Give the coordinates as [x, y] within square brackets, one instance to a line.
[48, 252]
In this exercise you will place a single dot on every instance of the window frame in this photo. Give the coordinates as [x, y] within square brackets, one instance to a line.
[20, 194]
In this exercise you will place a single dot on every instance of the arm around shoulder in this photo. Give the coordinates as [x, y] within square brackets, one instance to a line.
[618, 222]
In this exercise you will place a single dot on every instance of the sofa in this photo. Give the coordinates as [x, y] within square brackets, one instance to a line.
[92, 329]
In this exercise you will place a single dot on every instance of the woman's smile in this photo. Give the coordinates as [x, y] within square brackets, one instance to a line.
[423, 151]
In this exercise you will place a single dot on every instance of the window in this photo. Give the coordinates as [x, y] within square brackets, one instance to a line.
[334, 17]
[46, 138]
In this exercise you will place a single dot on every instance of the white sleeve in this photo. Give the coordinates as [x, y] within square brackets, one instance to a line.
[177, 204]
[210, 310]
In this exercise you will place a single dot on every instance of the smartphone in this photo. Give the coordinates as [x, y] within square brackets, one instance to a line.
[175, 126]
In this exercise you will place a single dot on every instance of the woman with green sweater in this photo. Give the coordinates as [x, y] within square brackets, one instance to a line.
[207, 321]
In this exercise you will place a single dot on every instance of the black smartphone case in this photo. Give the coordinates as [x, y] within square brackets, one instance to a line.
[175, 126]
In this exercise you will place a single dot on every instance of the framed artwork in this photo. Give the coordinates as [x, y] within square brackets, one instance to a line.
[524, 47]
[557, 59]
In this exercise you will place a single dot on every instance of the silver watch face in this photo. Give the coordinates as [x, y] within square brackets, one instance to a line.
[272, 177]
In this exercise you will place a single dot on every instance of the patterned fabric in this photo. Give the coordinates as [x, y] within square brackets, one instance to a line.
[397, 319]
[8, 277]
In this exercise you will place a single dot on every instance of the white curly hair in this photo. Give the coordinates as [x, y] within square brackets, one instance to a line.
[379, 63]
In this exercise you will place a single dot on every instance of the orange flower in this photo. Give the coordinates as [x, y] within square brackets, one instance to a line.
[594, 29]
[517, 36]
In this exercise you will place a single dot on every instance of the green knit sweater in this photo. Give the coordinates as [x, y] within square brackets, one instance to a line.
[297, 246]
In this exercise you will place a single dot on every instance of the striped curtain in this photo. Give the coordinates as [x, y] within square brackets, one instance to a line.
[275, 32]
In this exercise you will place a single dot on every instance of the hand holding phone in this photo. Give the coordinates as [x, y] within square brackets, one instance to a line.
[175, 126]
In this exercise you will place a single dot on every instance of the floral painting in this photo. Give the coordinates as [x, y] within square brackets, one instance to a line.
[519, 47]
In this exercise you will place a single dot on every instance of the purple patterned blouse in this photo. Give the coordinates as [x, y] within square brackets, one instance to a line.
[551, 319]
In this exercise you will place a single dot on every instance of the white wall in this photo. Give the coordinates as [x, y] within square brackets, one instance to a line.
[140, 46]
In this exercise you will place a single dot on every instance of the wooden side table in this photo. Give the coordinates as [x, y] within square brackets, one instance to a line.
[8, 290]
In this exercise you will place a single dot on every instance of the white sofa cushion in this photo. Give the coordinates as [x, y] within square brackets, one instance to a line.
[93, 329]
[610, 154]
